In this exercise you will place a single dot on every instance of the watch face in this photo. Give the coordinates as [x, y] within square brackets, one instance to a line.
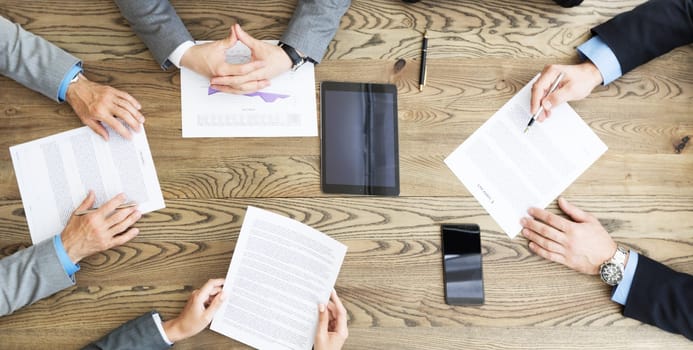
[611, 273]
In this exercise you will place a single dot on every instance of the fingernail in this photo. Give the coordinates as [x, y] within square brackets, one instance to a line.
[524, 232]
[547, 105]
[523, 221]
[321, 307]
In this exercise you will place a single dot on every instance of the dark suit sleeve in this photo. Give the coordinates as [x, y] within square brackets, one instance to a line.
[140, 333]
[661, 297]
[648, 31]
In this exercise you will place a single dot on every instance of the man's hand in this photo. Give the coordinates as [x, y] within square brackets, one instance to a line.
[209, 60]
[582, 244]
[332, 329]
[578, 82]
[95, 104]
[100, 230]
[275, 62]
[197, 313]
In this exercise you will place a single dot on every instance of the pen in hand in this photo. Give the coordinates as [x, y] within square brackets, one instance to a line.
[541, 107]
[122, 206]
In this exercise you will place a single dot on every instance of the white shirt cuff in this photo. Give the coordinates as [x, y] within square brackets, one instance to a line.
[160, 327]
[178, 53]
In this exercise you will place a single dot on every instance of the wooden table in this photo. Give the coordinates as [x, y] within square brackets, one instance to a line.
[480, 54]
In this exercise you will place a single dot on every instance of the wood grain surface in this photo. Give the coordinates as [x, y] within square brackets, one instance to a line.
[480, 54]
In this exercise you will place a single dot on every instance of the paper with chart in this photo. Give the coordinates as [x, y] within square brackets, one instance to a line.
[55, 173]
[285, 108]
[281, 269]
[509, 171]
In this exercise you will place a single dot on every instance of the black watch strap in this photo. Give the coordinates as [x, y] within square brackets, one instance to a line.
[296, 59]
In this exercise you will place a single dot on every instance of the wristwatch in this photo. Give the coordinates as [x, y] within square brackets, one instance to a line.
[296, 57]
[611, 271]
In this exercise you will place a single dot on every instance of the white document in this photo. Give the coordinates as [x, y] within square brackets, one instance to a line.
[281, 269]
[55, 173]
[285, 108]
[509, 171]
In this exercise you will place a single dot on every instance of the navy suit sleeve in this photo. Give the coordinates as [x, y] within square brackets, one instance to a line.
[661, 297]
[648, 31]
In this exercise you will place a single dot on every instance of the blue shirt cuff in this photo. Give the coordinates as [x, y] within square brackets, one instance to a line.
[70, 268]
[620, 294]
[599, 53]
[62, 90]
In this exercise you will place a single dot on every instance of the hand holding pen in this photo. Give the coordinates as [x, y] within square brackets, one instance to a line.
[102, 229]
[541, 108]
[578, 81]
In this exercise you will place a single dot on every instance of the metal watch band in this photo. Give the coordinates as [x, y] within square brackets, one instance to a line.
[611, 271]
[620, 256]
[296, 59]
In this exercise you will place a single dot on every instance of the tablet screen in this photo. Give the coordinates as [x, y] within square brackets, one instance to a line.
[359, 138]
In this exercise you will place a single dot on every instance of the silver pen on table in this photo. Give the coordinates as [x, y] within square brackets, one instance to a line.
[541, 107]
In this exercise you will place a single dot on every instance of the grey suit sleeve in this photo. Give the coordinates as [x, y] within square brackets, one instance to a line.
[313, 26]
[30, 275]
[140, 333]
[156, 23]
[31, 60]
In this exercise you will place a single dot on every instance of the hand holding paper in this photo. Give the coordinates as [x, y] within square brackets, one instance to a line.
[202, 304]
[332, 325]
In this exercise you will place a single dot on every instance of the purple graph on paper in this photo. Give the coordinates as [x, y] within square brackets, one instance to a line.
[265, 96]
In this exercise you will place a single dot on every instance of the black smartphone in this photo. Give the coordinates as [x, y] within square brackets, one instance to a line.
[464, 284]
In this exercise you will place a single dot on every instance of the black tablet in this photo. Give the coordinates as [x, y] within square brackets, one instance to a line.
[359, 143]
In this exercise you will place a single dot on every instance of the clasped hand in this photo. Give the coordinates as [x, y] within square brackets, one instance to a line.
[209, 59]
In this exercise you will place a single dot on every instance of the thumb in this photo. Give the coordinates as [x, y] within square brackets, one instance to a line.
[555, 98]
[243, 37]
[231, 39]
[215, 305]
[323, 321]
[87, 202]
[575, 213]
